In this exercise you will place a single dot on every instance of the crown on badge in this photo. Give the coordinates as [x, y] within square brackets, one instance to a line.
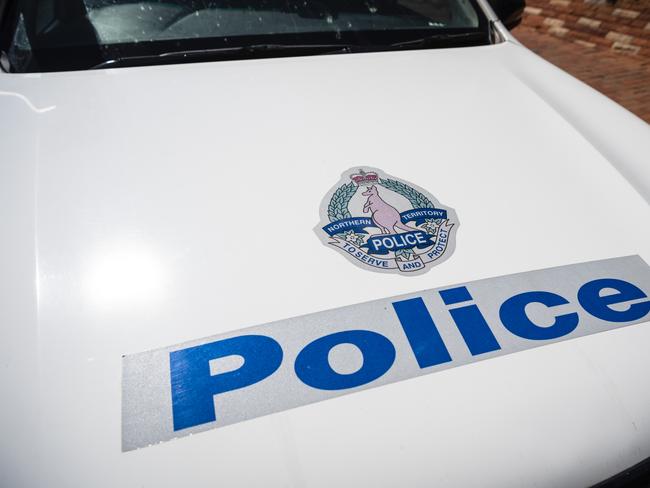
[363, 178]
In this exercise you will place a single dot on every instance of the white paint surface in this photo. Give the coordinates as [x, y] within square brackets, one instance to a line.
[170, 174]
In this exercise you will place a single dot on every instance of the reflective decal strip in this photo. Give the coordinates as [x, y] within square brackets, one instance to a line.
[192, 387]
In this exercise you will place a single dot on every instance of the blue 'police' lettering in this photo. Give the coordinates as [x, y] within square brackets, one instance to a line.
[599, 306]
[421, 332]
[193, 387]
[451, 296]
[470, 322]
[514, 318]
[313, 368]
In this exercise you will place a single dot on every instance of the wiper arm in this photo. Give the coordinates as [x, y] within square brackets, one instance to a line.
[442, 39]
[221, 53]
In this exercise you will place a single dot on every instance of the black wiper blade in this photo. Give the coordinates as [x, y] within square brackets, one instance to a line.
[221, 53]
[446, 39]
[270, 50]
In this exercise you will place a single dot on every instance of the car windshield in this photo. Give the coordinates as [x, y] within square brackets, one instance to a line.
[55, 35]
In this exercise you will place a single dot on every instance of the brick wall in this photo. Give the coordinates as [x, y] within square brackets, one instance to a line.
[622, 26]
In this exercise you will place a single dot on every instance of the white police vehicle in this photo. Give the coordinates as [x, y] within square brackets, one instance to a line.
[225, 260]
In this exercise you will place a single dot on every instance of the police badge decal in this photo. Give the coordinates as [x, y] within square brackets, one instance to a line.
[382, 223]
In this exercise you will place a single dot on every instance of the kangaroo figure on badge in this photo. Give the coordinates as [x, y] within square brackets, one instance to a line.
[385, 216]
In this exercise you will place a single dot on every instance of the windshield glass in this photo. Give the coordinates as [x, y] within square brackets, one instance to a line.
[53, 35]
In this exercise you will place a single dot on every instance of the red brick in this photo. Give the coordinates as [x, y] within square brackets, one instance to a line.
[624, 78]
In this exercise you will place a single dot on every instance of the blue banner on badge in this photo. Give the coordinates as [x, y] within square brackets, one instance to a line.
[406, 240]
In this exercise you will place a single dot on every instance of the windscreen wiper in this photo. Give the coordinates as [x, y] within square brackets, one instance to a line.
[273, 50]
[221, 53]
[446, 40]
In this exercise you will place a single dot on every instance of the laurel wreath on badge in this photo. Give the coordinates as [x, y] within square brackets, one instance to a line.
[338, 206]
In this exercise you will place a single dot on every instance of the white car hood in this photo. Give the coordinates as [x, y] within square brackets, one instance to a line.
[144, 207]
